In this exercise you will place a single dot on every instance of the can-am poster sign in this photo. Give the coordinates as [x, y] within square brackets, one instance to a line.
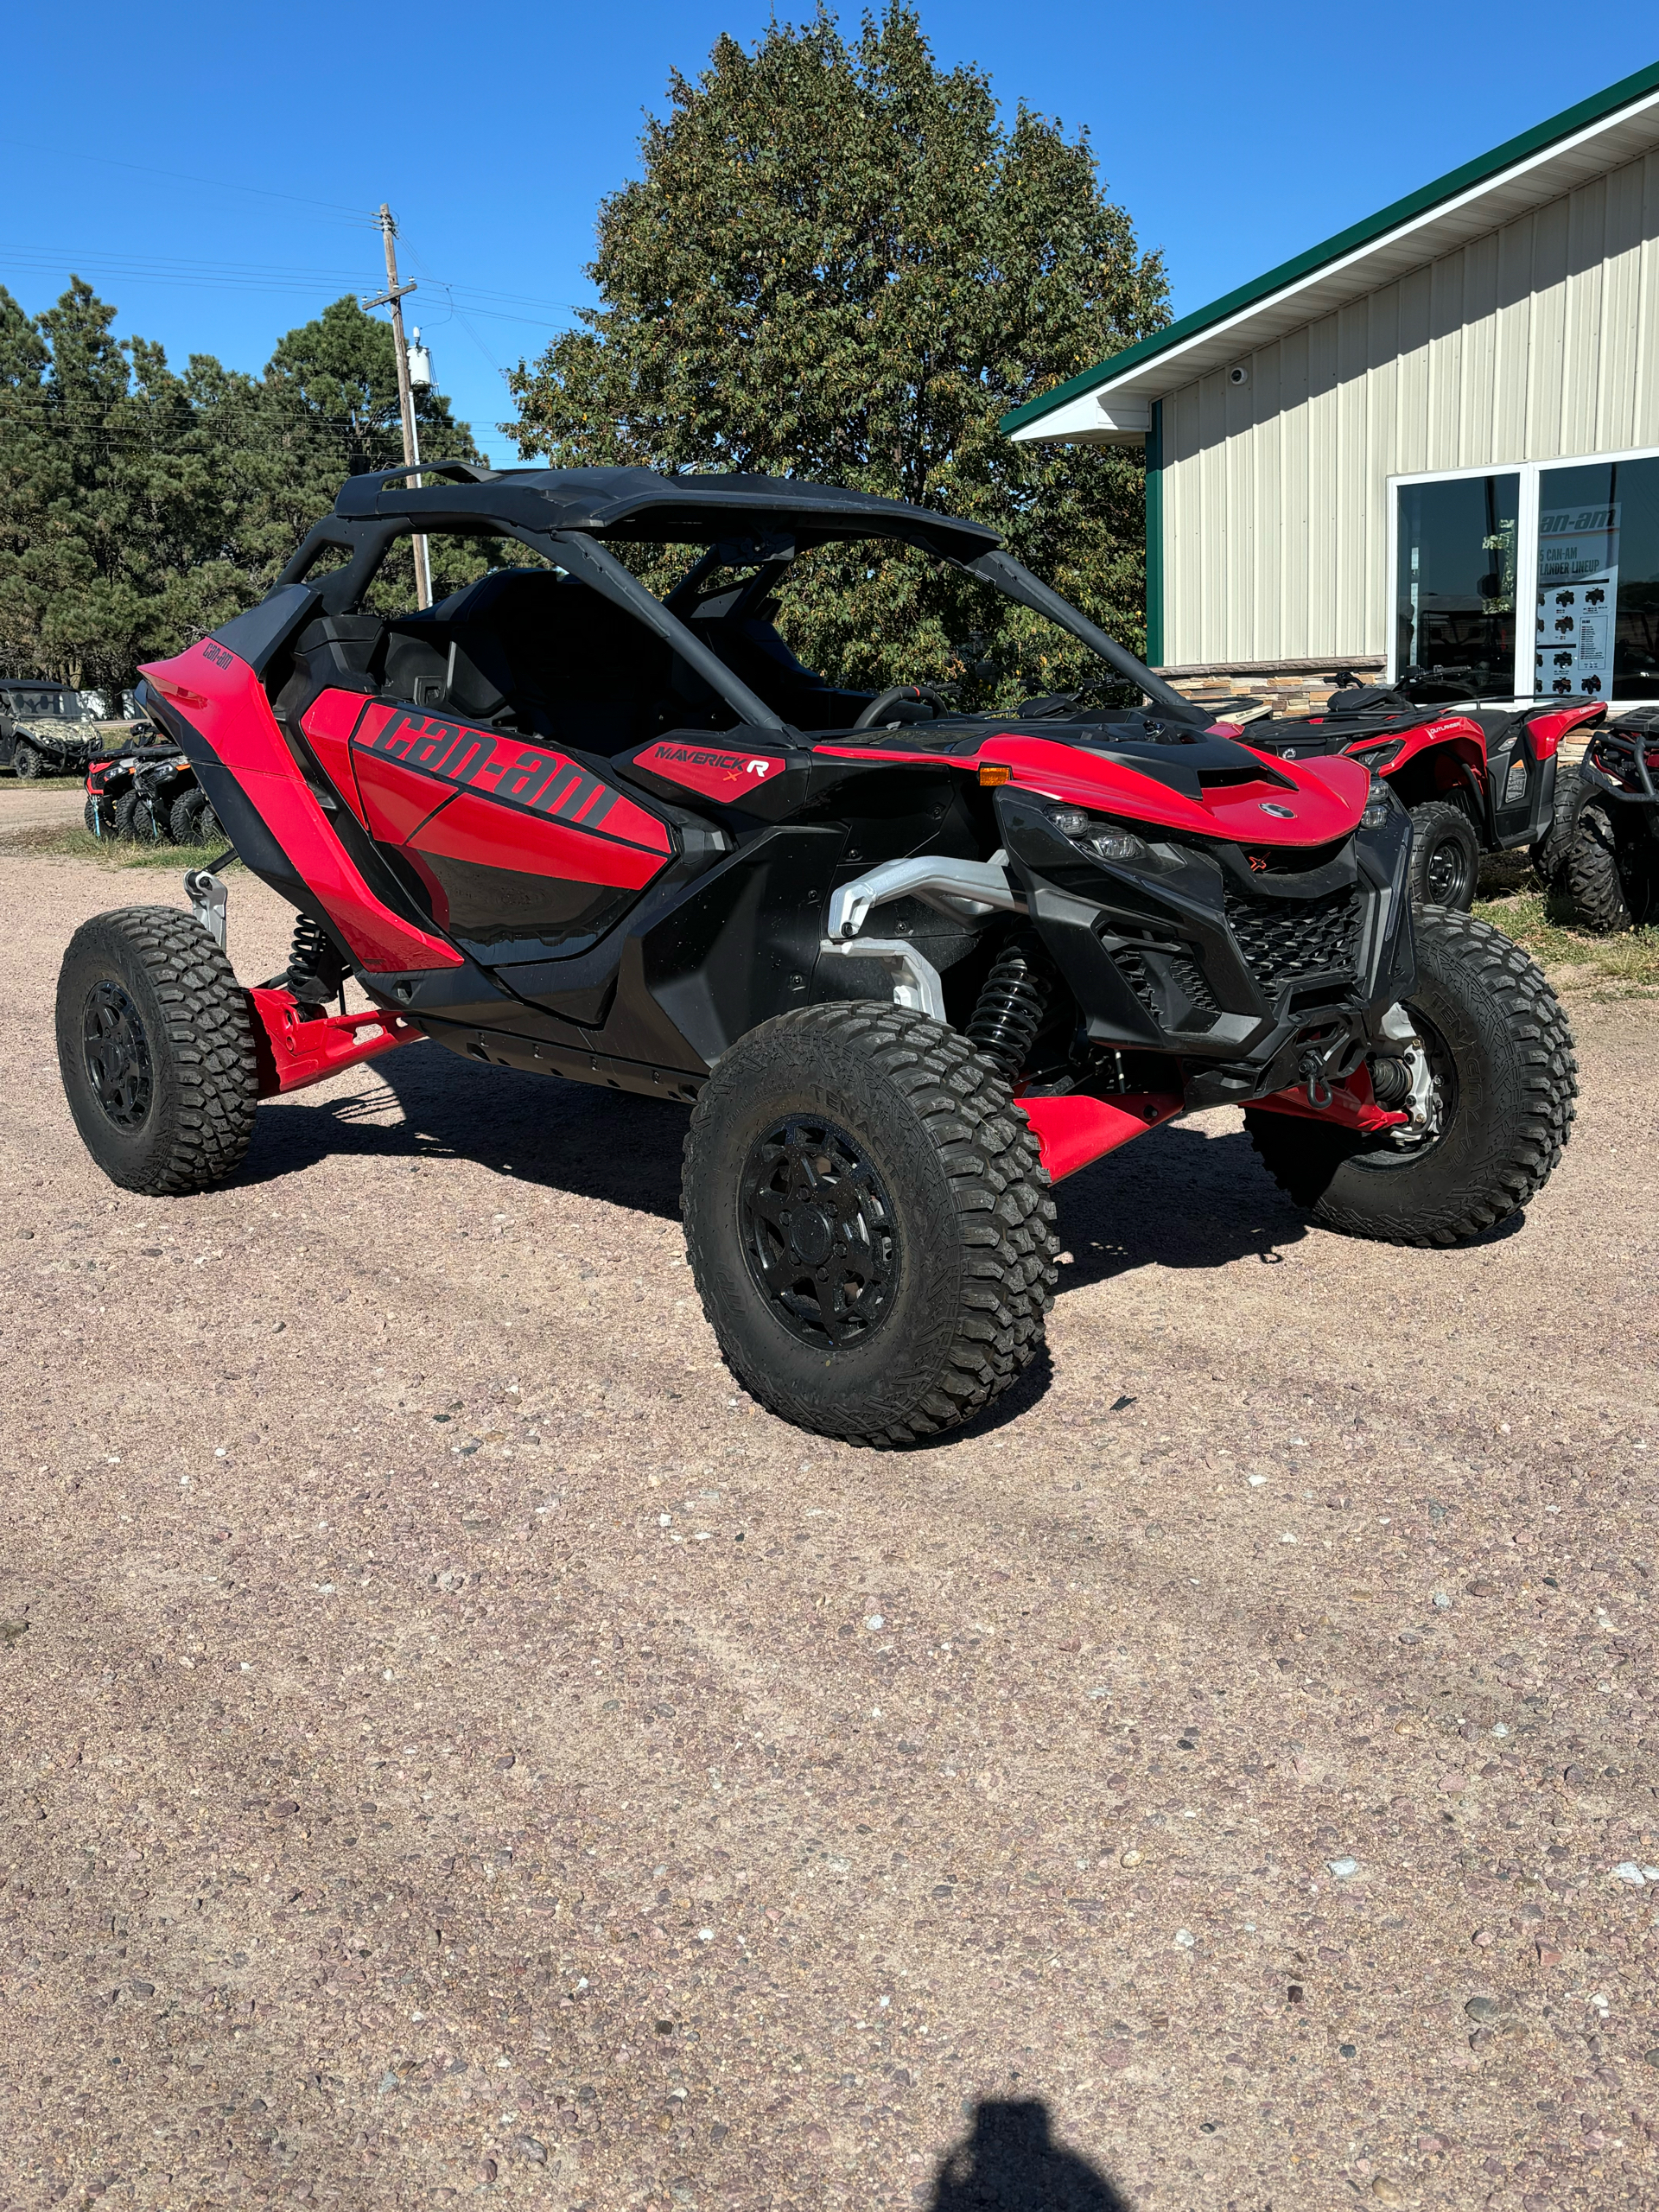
[1577, 599]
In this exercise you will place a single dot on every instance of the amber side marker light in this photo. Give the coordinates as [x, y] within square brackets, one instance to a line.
[993, 772]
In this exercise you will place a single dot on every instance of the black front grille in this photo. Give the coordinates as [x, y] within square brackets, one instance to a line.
[1175, 966]
[1284, 940]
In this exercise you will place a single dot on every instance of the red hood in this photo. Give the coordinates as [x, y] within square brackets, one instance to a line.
[1326, 801]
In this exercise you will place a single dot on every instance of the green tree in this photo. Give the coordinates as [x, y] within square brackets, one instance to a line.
[840, 264]
[139, 509]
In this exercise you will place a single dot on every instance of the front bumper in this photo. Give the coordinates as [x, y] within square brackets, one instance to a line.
[1237, 966]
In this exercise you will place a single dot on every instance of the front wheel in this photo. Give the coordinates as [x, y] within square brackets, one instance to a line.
[26, 762]
[869, 1222]
[1445, 855]
[1505, 1078]
[156, 1049]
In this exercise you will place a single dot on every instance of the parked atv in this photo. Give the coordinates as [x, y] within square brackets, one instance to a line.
[1610, 869]
[148, 795]
[909, 962]
[1475, 780]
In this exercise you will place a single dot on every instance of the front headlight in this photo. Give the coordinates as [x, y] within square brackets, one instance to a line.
[1103, 840]
[1379, 805]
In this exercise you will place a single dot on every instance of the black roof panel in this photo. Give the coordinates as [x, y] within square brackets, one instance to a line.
[643, 503]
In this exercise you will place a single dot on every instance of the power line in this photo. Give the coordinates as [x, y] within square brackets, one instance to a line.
[224, 276]
[359, 215]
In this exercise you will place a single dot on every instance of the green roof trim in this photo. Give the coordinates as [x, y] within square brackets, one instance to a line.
[1593, 109]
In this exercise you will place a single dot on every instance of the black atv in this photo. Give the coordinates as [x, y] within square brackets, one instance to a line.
[1609, 866]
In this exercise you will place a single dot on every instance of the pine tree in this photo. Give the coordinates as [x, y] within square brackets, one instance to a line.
[839, 264]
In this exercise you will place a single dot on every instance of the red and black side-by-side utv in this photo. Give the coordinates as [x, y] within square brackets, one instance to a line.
[908, 962]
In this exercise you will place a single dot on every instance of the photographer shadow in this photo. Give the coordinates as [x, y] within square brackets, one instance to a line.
[1011, 2163]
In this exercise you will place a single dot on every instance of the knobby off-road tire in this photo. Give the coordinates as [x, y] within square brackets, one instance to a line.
[1507, 1075]
[1549, 855]
[860, 1153]
[138, 820]
[1604, 893]
[26, 762]
[194, 823]
[155, 1048]
[98, 815]
[1445, 856]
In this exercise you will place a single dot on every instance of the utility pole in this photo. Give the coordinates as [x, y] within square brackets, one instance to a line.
[393, 297]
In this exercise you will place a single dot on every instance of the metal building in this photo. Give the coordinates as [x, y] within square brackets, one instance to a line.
[1432, 440]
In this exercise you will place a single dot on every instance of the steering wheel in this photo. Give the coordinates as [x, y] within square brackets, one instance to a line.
[902, 694]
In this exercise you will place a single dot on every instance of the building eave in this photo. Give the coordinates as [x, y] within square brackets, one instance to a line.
[1582, 142]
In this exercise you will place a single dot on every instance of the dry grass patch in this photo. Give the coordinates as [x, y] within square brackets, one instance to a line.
[1610, 967]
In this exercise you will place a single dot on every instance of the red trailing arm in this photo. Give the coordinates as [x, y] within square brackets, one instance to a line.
[294, 1047]
[1350, 1105]
[1073, 1130]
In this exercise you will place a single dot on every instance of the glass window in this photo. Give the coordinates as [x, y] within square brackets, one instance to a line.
[1456, 580]
[1599, 579]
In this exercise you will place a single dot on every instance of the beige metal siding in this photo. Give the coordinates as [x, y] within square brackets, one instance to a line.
[1537, 340]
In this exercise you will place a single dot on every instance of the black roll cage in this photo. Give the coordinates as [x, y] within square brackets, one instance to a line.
[366, 540]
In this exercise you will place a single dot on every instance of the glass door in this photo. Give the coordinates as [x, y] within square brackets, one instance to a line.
[1455, 582]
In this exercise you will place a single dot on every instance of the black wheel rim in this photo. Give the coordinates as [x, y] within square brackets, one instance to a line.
[118, 1055]
[1446, 873]
[1395, 1148]
[818, 1232]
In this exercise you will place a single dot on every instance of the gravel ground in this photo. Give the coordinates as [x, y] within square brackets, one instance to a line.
[454, 1741]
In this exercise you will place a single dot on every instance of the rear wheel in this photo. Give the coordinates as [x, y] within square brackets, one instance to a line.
[869, 1222]
[1445, 855]
[1505, 1076]
[1599, 875]
[156, 1049]
[26, 762]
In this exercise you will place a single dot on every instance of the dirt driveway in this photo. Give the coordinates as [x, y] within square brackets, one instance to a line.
[455, 1742]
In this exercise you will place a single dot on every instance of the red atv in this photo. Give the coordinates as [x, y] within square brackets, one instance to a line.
[907, 962]
[1474, 779]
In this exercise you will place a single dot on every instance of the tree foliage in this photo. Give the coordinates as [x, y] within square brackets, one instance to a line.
[840, 264]
[140, 508]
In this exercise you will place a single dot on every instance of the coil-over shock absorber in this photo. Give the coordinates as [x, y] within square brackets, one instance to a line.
[316, 969]
[1012, 1003]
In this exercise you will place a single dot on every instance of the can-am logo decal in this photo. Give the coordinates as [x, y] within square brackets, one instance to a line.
[528, 776]
[1284, 813]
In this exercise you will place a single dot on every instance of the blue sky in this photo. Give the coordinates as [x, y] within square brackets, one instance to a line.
[1234, 136]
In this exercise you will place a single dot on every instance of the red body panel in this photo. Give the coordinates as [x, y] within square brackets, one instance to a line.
[329, 725]
[469, 828]
[1071, 1132]
[1324, 801]
[395, 800]
[711, 772]
[293, 1048]
[221, 697]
